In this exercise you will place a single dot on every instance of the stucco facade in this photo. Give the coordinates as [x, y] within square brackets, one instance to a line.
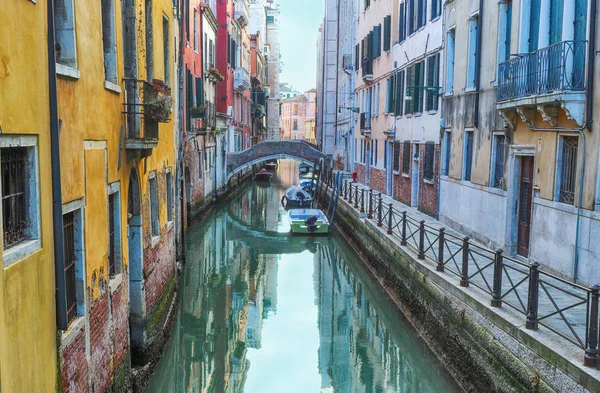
[295, 112]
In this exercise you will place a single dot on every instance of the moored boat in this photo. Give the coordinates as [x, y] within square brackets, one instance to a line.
[263, 175]
[308, 222]
[304, 167]
[295, 196]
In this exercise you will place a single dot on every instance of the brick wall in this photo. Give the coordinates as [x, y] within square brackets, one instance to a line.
[120, 323]
[428, 189]
[100, 344]
[378, 180]
[360, 171]
[191, 162]
[159, 266]
[74, 365]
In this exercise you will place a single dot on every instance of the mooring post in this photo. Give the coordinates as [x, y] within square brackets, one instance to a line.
[441, 244]
[532, 298]
[362, 201]
[370, 203]
[497, 286]
[421, 240]
[379, 212]
[390, 221]
[464, 274]
[345, 196]
[403, 238]
[591, 351]
[350, 197]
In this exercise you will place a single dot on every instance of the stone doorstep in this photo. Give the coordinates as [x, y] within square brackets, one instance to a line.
[561, 354]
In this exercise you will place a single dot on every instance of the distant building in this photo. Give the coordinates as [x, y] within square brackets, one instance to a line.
[295, 111]
[310, 127]
[286, 91]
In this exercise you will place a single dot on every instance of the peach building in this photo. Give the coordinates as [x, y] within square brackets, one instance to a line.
[295, 112]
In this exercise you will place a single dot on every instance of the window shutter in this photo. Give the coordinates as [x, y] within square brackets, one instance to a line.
[420, 12]
[356, 58]
[392, 94]
[402, 23]
[228, 49]
[409, 83]
[430, 71]
[387, 32]
[376, 41]
[421, 82]
[411, 16]
[199, 92]
[399, 93]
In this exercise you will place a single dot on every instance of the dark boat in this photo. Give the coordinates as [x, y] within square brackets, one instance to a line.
[263, 175]
[304, 167]
[296, 197]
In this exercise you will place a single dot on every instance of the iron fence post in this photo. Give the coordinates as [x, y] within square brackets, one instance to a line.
[356, 197]
[591, 351]
[362, 201]
[370, 203]
[379, 212]
[497, 286]
[350, 197]
[532, 298]
[464, 274]
[403, 238]
[346, 189]
[441, 241]
[421, 240]
[390, 221]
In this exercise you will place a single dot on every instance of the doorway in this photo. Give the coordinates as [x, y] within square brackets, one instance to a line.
[414, 195]
[135, 250]
[524, 206]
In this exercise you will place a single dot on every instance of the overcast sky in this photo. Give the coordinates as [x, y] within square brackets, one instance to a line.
[299, 24]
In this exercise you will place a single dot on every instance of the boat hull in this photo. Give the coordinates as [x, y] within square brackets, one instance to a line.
[299, 227]
[298, 222]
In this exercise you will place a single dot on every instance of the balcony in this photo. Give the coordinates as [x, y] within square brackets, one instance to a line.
[146, 105]
[365, 124]
[241, 13]
[203, 118]
[542, 81]
[241, 79]
[367, 69]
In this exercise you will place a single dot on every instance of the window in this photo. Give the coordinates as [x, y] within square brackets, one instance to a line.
[402, 23]
[376, 39]
[498, 155]
[436, 8]
[170, 195]
[473, 53]
[149, 42]
[415, 80]
[73, 252]
[433, 80]
[406, 157]
[447, 150]
[411, 15]
[504, 30]
[64, 20]
[429, 161]
[109, 41]
[567, 169]
[295, 125]
[450, 62]
[356, 58]
[367, 3]
[166, 51]
[421, 13]
[396, 156]
[387, 33]
[295, 110]
[114, 231]
[154, 207]
[196, 39]
[468, 155]
[398, 109]
[377, 99]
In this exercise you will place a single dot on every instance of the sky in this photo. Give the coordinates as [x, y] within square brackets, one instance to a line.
[299, 25]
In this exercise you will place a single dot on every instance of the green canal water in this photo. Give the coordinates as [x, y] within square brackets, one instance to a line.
[264, 312]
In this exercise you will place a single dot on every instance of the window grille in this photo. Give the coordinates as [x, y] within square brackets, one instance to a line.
[397, 156]
[568, 174]
[14, 201]
[429, 160]
[500, 143]
[468, 154]
[406, 157]
[111, 236]
[70, 259]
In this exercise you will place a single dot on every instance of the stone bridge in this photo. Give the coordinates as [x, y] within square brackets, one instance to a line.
[272, 150]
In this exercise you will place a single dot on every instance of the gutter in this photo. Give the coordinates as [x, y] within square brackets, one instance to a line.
[57, 217]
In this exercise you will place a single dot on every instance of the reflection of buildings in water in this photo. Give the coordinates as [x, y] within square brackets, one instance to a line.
[270, 299]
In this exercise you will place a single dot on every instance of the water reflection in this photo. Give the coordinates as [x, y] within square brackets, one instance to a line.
[263, 312]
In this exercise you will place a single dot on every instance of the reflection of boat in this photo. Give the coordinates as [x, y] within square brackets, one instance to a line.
[296, 196]
[271, 165]
[308, 221]
[308, 176]
[263, 175]
[304, 167]
[308, 186]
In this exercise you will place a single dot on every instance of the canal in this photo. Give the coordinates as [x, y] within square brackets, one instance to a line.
[263, 312]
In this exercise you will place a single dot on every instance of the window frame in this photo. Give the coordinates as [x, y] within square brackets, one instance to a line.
[406, 157]
[76, 208]
[114, 192]
[447, 152]
[429, 162]
[154, 205]
[467, 167]
[494, 183]
[559, 169]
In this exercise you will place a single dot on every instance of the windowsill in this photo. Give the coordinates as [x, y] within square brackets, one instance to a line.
[115, 282]
[72, 331]
[409, 115]
[470, 89]
[406, 175]
[427, 181]
[20, 251]
[112, 87]
[435, 19]
[449, 94]
[432, 112]
[67, 71]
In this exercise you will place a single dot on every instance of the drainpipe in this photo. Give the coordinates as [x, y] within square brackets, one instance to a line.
[589, 123]
[57, 222]
[180, 165]
[337, 78]
[478, 65]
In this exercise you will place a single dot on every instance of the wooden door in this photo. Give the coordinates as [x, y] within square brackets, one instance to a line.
[525, 194]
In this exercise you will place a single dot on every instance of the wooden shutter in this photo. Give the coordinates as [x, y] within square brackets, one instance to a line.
[387, 32]
[409, 82]
[411, 16]
[534, 25]
[402, 23]
[199, 91]
[399, 93]
[356, 58]
[376, 41]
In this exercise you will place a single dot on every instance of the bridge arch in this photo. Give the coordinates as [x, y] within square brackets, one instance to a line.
[272, 150]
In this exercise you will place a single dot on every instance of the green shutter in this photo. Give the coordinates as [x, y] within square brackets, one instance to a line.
[399, 91]
[387, 33]
[199, 92]
[556, 17]
[402, 23]
[409, 82]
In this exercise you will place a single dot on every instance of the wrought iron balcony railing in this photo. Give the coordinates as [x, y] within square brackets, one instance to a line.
[559, 67]
[152, 101]
[203, 118]
[367, 68]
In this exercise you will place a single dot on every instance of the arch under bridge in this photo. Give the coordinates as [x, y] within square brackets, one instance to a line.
[273, 150]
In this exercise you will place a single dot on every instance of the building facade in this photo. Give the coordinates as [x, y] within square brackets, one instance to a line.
[295, 112]
[519, 154]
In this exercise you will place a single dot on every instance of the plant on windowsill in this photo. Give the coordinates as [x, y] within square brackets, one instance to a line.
[197, 112]
[158, 102]
[215, 74]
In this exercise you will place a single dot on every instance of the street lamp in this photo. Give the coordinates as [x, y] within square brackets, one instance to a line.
[435, 90]
[350, 108]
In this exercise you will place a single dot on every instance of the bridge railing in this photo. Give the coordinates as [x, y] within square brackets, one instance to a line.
[568, 310]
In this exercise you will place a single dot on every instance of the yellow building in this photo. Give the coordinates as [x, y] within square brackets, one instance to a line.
[117, 146]
[27, 307]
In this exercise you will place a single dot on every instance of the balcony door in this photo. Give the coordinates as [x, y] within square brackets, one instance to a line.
[524, 205]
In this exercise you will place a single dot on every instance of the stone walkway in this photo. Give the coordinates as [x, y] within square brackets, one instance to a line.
[562, 305]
